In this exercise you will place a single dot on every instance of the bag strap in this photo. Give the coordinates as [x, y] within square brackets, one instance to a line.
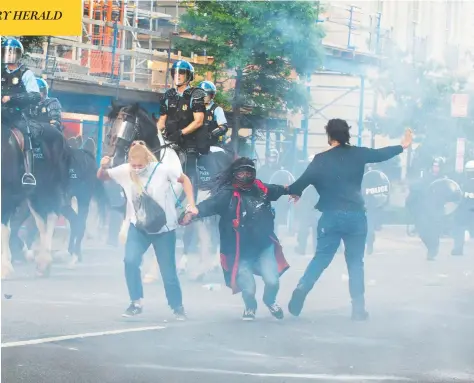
[151, 175]
[180, 205]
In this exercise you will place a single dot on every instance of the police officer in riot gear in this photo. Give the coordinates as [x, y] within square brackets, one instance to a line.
[464, 215]
[20, 93]
[214, 121]
[432, 201]
[48, 111]
[376, 191]
[182, 111]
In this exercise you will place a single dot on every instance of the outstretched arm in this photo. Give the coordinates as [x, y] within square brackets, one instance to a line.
[276, 191]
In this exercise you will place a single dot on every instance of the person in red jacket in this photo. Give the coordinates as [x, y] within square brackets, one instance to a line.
[248, 244]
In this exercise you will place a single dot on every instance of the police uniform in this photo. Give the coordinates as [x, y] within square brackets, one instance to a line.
[179, 110]
[49, 110]
[21, 101]
[376, 191]
[215, 124]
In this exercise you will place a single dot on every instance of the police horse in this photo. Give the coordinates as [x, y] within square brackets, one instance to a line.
[44, 200]
[131, 123]
[83, 187]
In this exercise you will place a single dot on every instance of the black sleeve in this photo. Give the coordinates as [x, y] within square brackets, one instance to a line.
[306, 179]
[25, 99]
[214, 205]
[379, 155]
[163, 107]
[275, 191]
[197, 101]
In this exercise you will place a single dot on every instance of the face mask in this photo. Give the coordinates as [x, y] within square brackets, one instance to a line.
[140, 171]
[244, 180]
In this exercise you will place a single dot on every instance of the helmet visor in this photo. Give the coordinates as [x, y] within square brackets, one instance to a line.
[10, 55]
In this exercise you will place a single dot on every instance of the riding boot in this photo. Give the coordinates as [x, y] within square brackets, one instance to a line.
[28, 178]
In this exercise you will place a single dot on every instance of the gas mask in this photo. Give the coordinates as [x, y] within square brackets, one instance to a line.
[244, 177]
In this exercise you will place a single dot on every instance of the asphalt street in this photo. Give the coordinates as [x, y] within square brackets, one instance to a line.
[69, 328]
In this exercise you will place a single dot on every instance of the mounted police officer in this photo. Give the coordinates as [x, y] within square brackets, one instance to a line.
[376, 192]
[182, 112]
[214, 121]
[48, 111]
[464, 215]
[20, 93]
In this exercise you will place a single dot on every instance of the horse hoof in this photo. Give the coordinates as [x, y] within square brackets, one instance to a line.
[73, 262]
[29, 255]
[7, 271]
[43, 272]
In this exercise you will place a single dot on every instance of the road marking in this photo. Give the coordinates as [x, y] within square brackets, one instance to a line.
[79, 336]
[323, 377]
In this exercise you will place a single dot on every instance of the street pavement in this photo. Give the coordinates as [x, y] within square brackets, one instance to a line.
[69, 328]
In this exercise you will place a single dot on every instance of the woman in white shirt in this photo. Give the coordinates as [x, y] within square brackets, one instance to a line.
[143, 168]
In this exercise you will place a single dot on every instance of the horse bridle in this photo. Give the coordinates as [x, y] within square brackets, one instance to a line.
[135, 134]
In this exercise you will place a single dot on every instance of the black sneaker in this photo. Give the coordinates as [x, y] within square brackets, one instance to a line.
[296, 302]
[180, 314]
[359, 315]
[276, 311]
[248, 315]
[132, 310]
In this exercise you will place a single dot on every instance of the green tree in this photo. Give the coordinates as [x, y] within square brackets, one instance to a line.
[261, 43]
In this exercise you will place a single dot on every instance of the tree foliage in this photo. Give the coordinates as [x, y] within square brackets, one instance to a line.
[260, 42]
[30, 42]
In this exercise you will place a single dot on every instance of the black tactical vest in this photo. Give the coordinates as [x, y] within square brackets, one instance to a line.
[210, 124]
[180, 115]
[12, 82]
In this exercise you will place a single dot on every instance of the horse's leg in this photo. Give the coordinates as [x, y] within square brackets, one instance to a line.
[70, 214]
[46, 231]
[83, 204]
[7, 267]
[17, 246]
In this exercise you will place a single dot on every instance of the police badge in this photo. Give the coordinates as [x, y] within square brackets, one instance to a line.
[185, 107]
[15, 80]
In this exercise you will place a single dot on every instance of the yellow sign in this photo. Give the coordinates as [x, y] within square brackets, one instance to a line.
[41, 18]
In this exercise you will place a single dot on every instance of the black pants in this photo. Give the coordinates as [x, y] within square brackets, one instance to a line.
[334, 226]
[429, 228]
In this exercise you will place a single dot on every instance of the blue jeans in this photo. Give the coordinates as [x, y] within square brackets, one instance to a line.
[334, 226]
[266, 265]
[164, 245]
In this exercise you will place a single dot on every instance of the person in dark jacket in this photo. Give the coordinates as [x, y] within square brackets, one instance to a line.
[337, 176]
[248, 243]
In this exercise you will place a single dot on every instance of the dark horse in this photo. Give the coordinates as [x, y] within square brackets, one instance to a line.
[52, 156]
[84, 186]
[131, 122]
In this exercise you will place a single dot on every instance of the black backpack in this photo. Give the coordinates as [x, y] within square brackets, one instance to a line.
[150, 215]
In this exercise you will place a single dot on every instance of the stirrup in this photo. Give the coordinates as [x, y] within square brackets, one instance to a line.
[28, 179]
